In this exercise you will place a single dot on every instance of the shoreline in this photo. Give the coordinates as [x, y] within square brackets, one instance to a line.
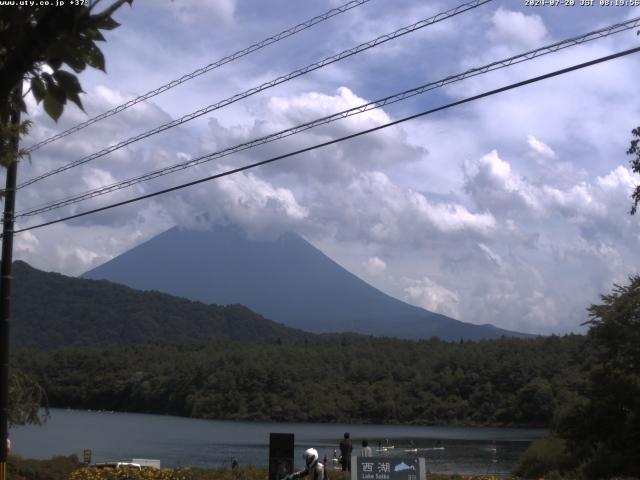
[479, 426]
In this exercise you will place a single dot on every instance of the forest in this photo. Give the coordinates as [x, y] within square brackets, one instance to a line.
[371, 380]
[585, 389]
[69, 311]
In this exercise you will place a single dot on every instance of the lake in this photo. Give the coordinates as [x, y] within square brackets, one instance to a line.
[178, 441]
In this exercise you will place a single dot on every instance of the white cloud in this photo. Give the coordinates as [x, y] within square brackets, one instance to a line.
[248, 194]
[524, 239]
[576, 201]
[341, 162]
[308, 106]
[26, 243]
[244, 199]
[517, 29]
[491, 183]
[492, 256]
[621, 179]
[96, 178]
[209, 11]
[540, 147]
[375, 209]
[428, 294]
[78, 258]
[374, 266]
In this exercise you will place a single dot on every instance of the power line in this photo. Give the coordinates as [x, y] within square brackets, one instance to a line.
[252, 91]
[341, 139]
[223, 61]
[529, 55]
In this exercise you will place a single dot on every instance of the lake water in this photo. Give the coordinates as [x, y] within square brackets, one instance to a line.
[180, 441]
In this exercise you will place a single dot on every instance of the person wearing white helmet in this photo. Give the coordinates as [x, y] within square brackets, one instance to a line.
[314, 469]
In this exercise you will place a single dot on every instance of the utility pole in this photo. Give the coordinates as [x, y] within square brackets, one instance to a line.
[5, 292]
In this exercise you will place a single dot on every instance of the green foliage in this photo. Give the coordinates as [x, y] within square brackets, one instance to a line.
[57, 468]
[603, 431]
[535, 401]
[368, 381]
[543, 456]
[27, 399]
[36, 42]
[8, 133]
[634, 149]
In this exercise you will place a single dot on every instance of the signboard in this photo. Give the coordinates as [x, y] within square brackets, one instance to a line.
[387, 468]
[280, 455]
[87, 456]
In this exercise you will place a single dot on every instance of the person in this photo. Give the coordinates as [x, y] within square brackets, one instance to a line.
[314, 469]
[234, 464]
[345, 452]
[334, 459]
[326, 467]
[365, 451]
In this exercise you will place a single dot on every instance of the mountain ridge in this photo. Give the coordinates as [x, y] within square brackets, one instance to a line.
[51, 310]
[286, 279]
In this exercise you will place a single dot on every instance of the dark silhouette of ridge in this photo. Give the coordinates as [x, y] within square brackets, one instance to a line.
[51, 311]
[287, 280]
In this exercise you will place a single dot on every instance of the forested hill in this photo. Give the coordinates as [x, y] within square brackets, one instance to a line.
[496, 382]
[52, 310]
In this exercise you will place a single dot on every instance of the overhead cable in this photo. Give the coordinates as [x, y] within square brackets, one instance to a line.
[196, 73]
[252, 91]
[522, 57]
[338, 140]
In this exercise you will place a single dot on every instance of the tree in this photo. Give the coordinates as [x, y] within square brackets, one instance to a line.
[34, 36]
[634, 149]
[27, 400]
[535, 402]
[38, 45]
[603, 433]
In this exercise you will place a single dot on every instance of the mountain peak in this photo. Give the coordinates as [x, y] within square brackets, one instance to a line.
[285, 279]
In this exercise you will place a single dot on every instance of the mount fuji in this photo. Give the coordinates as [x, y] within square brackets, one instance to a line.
[287, 280]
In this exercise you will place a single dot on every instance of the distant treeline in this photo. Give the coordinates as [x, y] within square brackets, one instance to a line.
[497, 382]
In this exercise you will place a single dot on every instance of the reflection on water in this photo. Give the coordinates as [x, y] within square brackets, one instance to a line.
[206, 443]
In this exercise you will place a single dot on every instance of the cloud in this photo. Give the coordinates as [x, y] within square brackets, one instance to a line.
[436, 298]
[490, 181]
[375, 209]
[493, 257]
[374, 266]
[200, 11]
[492, 185]
[336, 163]
[517, 29]
[26, 244]
[78, 258]
[261, 208]
[619, 180]
[540, 147]
[517, 204]
[574, 202]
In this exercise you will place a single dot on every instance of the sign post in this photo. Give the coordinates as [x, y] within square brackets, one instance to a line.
[388, 468]
[280, 455]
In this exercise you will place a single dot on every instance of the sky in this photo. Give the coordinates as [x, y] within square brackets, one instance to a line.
[511, 210]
